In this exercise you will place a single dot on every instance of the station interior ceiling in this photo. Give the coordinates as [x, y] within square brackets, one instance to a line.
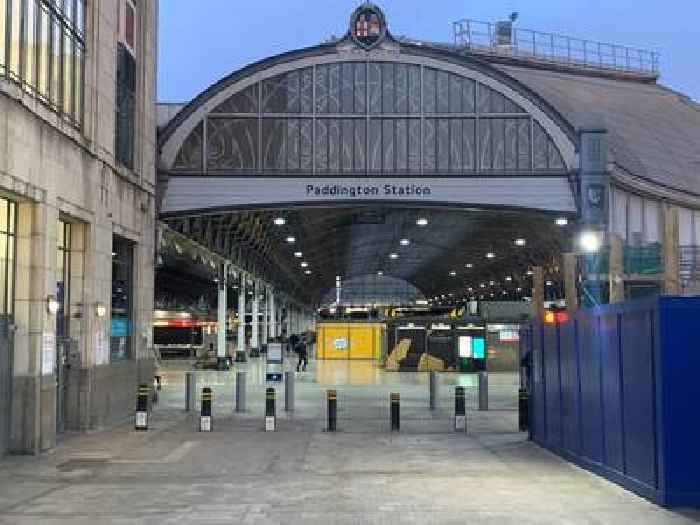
[448, 254]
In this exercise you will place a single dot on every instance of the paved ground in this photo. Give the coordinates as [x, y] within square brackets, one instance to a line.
[301, 474]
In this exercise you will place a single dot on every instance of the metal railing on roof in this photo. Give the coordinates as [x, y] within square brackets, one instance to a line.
[488, 38]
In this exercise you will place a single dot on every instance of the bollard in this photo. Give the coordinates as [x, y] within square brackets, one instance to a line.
[205, 417]
[240, 391]
[523, 410]
[270, 410]
[433, 389]
[483, 390]
[460, 410]
[289, 391]
[395, 400]
[332, 396]
[141, 419]
[190, 391]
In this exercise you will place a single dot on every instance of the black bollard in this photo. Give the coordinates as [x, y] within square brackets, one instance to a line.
[523, 410]
[460, 410]
[270, 410]
[395, 399]
[141, 420]
[332, 410]
[205, 417]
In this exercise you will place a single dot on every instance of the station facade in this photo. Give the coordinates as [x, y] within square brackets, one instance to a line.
[77, 214]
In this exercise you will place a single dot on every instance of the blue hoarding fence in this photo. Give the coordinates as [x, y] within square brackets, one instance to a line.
[615, 391]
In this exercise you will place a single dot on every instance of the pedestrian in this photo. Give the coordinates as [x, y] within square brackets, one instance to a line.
[303, 354]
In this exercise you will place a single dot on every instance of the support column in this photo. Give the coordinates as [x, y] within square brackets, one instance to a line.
[672, 284]
[273, 313]
[255, 326]
[221, 313]
[241, 313]
[538, 291]
[570, 291]
[265, 321]
[616, 270]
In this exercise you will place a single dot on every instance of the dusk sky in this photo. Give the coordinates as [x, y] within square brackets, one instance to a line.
[200, 46]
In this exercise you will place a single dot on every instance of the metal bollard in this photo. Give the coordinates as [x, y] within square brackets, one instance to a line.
[289, 391]
[240, 391]
[190, 391]
[205, 417]
[332, 396]
[460, 410]
[483, 390]
[433, 389]
[270, 410]
[523, 410]
[141, 419]
[395, 400]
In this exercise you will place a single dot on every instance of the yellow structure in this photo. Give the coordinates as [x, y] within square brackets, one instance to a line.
[349, 340]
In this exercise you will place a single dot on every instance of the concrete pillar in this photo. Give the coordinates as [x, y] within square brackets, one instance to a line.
[570, 290]
[221, 312]
[672, 284]
[241, 312]
[538, 291]
[33, 420]
[272, 313]
[254, 341]
[617, 269]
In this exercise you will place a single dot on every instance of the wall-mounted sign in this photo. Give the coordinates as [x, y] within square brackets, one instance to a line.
[48, 352]
[341, 343]
[368, 26]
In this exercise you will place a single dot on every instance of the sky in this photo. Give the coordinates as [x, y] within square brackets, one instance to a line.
[199, 46]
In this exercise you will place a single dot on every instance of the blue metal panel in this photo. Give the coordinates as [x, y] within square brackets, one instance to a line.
[638, 395]
[612, 390]
[591, 400]
[569, 387]
[538, 386]
[553, 382]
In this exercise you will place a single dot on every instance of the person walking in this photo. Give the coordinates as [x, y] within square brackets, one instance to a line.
[303, 354]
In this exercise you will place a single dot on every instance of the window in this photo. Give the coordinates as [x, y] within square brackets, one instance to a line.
[126, 86]
[122, 299]
[42, 47]
[8, 214]
[63, 240]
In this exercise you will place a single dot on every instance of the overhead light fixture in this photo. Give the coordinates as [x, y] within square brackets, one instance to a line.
[404, 242]
[52, 304]
[530, 273]
[100, 309]
[561, 221]
[280, 221]
[298, 255]
[380, 273]
[482, 285]
[490, 255]
[509, 279]
[469, 265]
[304, 264]
[453, 273]
[308, 272]
[520, 289]
[422, 221]
[291, 239]
[520, 242]
[394, 255]
[590, 241]
[492, 283]
[470, 290]
[550, 283]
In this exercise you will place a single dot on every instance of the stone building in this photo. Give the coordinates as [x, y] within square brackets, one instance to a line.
[77, 186]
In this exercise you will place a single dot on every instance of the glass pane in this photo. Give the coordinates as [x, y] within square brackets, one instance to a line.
[334, 145]
[360, 157]
[15, 35]
[401, 145]
[44, 53]
[322, 89]
[68, 74]
[468, 95]
[483, 99]
[306, 145]
[4, 225]
[388, 97]
[429, 145]
[524, 150]
[455, 94]
[79, 80]
[388, 145]
[3, 32]
[375, 145]
[540, 145]
[443, 145]
[244, 102]
[232, 144]
[485, 143]
[55, 61]
[321, 146]
[414, 89]
[293, 144]
[360, 88]
[456, 144]
[30, 48]
[554, 160]
[511, 145]
[469, 145]
[274, 144]
[347, 144]
[414, 145]
[334, 88]
[307, 90]
[443, 92]
[499, 137]
[401, 87]
[347, 88]
[429, 90]
[10, 309]
[190, 155]
[4, 266]
[375, 88]
[122, 261]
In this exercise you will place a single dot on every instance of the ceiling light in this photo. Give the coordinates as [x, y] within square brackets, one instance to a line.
[530, 273]
[561, 221]
[280, 221]
[394, 256]
[520, 242]
[490, 255]
[404, 242]
[590, 241]
[509, 279]
[520, 289]
[482, 285]
[304, 264]
[453, 274]
[422, 221]
[298, 255]
[380, 273]
[308, 272]
[492, 283]
[470, 289]
[469, 265]
[549, 283]
[291, 239]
